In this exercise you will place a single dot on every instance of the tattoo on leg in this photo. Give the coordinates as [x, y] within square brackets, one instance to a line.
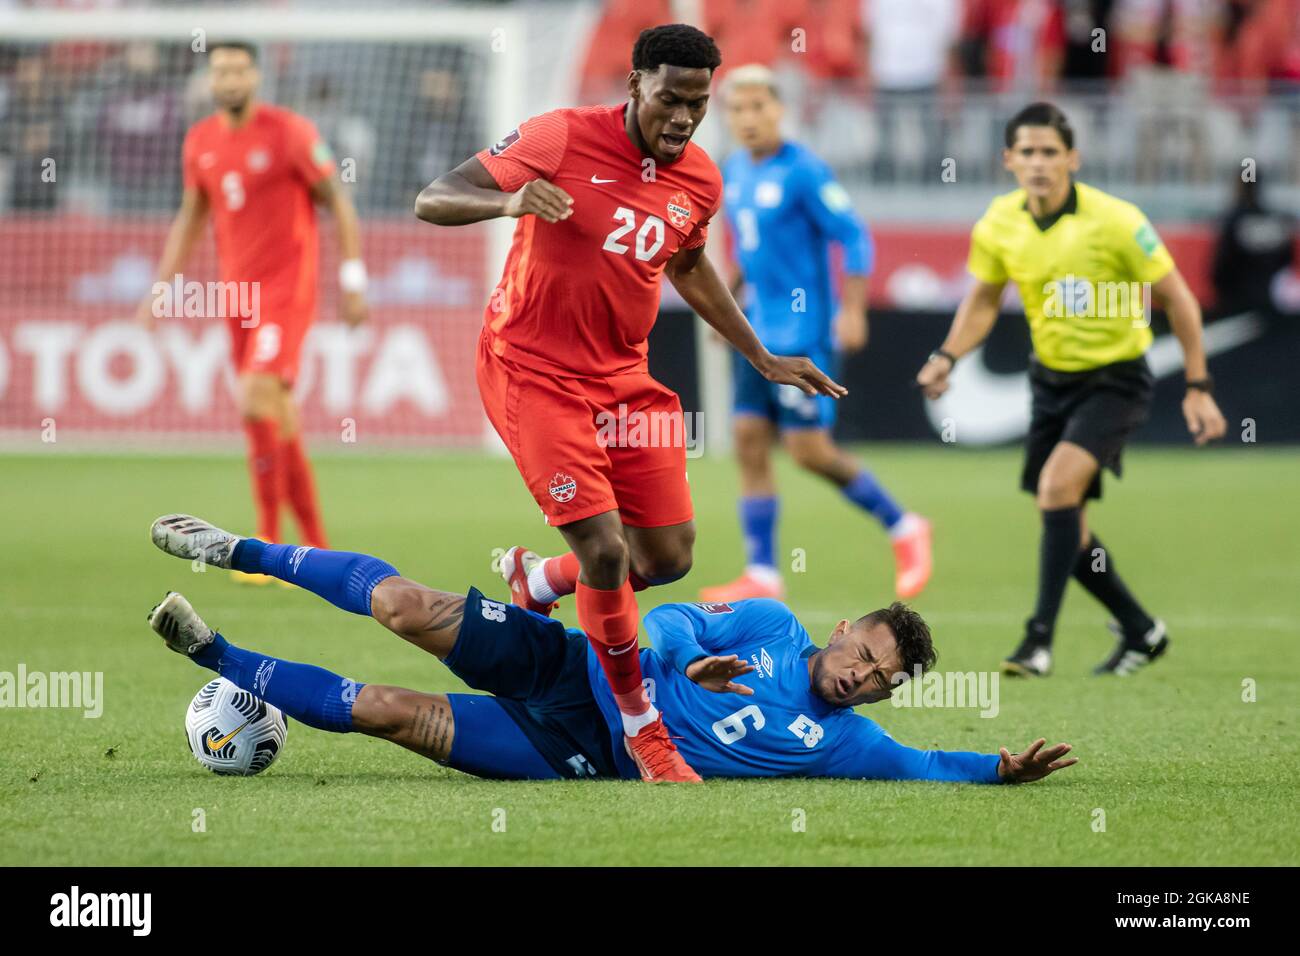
[446, 611]
[431, 731]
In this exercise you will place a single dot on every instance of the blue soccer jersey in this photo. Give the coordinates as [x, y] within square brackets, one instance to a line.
[784, 211]
[784, 729]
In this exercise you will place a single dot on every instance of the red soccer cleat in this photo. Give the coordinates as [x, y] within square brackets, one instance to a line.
[744, 587]
[655, 756]
[515, 565]
[912, 558]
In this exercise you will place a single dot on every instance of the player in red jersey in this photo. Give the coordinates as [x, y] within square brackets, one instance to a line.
[609, 199]
[258, 170]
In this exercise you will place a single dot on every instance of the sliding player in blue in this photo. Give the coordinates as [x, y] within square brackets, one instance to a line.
[785, 210]
[742, 687]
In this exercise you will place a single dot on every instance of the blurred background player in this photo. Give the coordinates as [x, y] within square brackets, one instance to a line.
[258, 169]
[752, 695]
[1075, 252]
[784, 210]
[623, 194]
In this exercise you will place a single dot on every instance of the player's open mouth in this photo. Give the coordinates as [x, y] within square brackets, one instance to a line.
[843, 687]
[673, 143]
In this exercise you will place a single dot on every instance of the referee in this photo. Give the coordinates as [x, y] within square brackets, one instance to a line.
[1082, 261]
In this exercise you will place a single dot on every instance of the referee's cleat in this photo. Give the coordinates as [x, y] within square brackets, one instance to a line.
[1133, 654]
[516, 564]
[177, 623]
[191, 538]
[1032, 659]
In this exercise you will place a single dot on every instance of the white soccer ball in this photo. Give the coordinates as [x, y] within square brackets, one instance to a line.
[233, 732]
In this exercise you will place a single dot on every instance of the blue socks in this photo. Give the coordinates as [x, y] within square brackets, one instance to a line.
[344, 578]
[758, 517]
[309, 694]
[865, 492]
[758, 522]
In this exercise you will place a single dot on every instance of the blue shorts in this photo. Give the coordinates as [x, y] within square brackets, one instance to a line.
[543, 722]
[786, 406]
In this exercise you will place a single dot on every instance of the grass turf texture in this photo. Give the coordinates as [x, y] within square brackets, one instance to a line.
[1184, 770]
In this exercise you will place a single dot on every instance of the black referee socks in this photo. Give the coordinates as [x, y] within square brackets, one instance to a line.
[1095, 570]
[1058, 550]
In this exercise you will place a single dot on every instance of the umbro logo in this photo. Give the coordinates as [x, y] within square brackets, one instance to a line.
[262, 676]
[762, 662]
[295, 559]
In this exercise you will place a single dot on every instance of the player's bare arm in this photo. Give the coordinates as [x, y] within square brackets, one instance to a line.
[1201, 412]
[469, 194]
[1034, 763]
[693, 275]
[185, 231]
[850, 326]
[975, 318]
[329, 194]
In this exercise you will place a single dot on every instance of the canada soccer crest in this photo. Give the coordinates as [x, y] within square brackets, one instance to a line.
[679, 209]
[258, 160]
[562, 487]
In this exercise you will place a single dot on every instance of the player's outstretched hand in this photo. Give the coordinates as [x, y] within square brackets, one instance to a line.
[799, 371]
[1035, 763]
[1204, 420]
[933, 377]
[716, 673]
[540, 198]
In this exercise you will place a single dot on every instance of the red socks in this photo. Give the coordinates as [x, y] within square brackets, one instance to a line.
[265, 472]
[562, 575]
[280, 472]
[610, 620]
[300, 488]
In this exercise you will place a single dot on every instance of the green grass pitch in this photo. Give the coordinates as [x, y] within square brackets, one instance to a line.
[1184, 770]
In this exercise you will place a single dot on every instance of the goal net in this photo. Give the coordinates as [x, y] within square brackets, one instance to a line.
[94, 106]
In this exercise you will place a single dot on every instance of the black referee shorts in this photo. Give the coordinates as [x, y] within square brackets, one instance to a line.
[1097, 409]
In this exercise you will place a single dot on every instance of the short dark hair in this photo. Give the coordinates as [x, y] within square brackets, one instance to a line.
[234, 45]
[675, 44]
[1040, 114]
[911, 634]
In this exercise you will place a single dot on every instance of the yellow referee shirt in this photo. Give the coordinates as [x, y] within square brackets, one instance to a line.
[1083, 276]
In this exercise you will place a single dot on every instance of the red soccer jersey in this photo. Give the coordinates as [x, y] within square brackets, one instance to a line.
[258, 180]
[579, 297]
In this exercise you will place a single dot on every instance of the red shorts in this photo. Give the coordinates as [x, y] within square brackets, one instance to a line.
[587, 446]
[268, 348]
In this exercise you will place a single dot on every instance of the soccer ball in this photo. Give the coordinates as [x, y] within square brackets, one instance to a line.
[231, 732]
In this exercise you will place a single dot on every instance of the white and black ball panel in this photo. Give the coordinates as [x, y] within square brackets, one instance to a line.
[233, 732]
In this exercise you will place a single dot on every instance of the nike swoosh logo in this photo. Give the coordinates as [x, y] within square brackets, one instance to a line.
[222, 741]
[595, 180]
[988, 408]
[614, 653]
